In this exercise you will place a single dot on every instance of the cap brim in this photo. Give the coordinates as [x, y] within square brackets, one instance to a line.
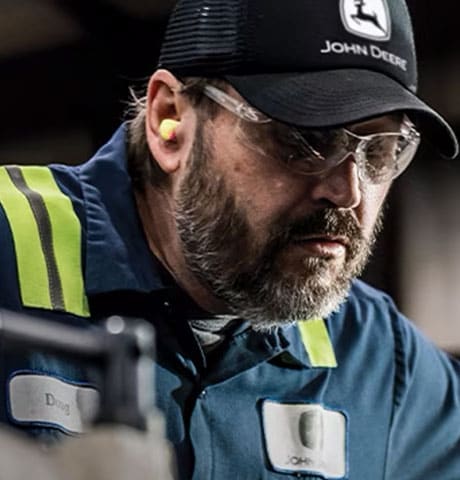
[337, 97]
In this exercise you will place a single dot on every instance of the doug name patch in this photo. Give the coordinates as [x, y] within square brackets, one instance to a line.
[36, 399]
[305, 438]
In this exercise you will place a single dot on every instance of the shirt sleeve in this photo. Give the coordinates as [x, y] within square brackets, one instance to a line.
[424, 440]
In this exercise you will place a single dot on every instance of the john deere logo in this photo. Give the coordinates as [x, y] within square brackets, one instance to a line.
[311, 429]
[367, 18]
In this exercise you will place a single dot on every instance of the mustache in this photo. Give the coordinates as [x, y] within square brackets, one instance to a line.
[326, 222]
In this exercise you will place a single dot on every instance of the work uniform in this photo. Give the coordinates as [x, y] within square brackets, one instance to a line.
[359, 395]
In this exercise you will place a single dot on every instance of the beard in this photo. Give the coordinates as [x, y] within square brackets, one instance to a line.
[221, 250]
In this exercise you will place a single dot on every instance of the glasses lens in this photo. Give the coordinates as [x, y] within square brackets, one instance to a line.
[321, 149]
[309, 152]
[306, 152]
[386, 156]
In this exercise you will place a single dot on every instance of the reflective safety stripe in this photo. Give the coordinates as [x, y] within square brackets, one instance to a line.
[315, 338]
[29, 254]
[47, 239]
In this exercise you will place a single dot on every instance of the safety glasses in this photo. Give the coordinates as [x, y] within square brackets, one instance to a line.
[380, 157]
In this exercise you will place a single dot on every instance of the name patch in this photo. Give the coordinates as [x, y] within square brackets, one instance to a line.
[305, 438]
[45, 400]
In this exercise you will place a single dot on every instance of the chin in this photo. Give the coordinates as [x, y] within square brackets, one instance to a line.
[289, 302]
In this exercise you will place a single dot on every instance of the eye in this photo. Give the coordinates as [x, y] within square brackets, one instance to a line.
[381, 157]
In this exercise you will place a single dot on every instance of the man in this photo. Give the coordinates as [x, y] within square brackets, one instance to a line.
[234, 212]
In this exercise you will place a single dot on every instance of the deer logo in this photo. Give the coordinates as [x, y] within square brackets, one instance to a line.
[367, 18]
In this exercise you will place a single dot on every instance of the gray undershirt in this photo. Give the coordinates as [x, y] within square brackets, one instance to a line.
[211, 332]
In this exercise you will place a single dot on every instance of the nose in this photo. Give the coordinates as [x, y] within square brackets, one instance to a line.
[340, 186]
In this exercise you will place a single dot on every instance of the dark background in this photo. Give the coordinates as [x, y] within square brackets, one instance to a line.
[66, 66]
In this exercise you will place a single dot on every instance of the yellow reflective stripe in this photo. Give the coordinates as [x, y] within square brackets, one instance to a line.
[315, 338]
[66, 237]
[32, 271]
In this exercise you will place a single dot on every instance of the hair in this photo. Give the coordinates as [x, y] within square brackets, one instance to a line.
[142, 166]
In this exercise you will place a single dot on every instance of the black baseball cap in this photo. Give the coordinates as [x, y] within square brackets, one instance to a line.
[308, 63]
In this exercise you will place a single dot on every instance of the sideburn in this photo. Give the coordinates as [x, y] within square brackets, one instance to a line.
[214, 233]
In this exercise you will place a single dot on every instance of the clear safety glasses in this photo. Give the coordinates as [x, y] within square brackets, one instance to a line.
[380, 157]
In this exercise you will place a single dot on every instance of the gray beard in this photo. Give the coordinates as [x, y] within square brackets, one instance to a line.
[220, 250]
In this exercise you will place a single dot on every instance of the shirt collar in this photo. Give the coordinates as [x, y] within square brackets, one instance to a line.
[294, 355]
[310, 343]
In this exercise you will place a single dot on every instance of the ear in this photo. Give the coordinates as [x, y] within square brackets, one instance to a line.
[164, 130]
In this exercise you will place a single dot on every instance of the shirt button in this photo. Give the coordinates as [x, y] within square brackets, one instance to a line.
[202, 394]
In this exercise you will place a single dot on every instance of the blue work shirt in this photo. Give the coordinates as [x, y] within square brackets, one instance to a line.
[258, 407]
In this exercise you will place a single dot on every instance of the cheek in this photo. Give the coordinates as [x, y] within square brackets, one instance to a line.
[267, 200]
[260, 186]
[373, 199]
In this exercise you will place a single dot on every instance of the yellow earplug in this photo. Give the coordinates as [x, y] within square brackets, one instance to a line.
[168, 129]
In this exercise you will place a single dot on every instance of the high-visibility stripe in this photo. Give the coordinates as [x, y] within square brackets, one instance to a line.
[30, 259]
[60, 240]
[66, 237]
[38, 207]
[317, 342]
